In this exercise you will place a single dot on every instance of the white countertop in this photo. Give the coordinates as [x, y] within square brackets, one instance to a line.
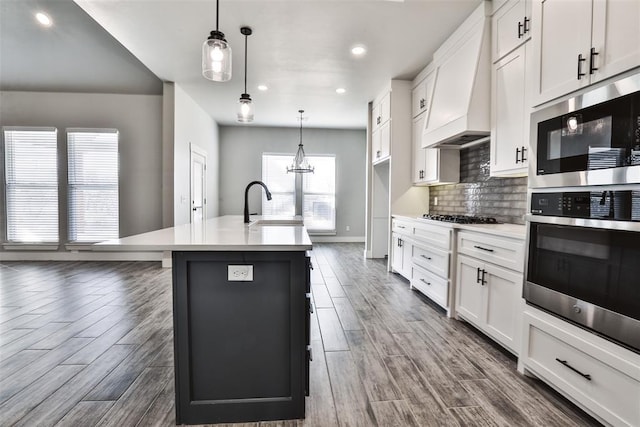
[225, 233]
[516, 231]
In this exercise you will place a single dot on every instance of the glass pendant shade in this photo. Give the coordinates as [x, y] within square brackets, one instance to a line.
[300, 163]
[216, 58]
[245, 109]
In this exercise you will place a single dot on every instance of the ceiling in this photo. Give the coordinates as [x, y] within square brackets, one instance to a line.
[300, 49]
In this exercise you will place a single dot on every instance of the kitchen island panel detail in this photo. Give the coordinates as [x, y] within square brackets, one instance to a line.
[240, 345]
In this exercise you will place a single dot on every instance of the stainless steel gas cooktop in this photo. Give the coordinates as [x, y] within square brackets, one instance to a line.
[461, 219]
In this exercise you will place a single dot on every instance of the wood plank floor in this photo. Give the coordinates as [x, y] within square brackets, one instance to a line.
[90, 343]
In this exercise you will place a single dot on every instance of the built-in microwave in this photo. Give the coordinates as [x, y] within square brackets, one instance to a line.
[590, 139]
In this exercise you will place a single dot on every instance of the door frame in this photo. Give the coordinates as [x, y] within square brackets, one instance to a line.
[195, 150]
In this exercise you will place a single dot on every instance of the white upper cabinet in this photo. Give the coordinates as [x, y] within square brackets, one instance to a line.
[381, 142]
[511, 27]
[421, 94]
[576, 43]
[510, 115]
[616, 37]
[381, 111]
[418, 151]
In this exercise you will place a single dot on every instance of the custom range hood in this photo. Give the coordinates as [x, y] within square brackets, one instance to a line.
[460, 110]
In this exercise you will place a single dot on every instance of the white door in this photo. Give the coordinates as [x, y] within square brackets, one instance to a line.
[198, 184]
[470, 289]
[504, 290]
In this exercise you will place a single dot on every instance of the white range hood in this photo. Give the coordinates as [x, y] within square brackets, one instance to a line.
[460, 108]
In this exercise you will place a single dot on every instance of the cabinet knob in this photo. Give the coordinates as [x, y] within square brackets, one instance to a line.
[378, 153]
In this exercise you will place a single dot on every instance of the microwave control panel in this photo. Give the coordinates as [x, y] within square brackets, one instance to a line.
[609, 205]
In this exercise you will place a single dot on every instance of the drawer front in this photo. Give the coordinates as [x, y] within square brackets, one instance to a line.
[432, 259]
[505, 252]
[402, 227]
[432, 235]
[607, 391]
[433, 286]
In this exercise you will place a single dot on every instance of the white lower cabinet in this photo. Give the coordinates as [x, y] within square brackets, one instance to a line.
[597, 375]
[401, 249]
[488, 295]
[430, 263]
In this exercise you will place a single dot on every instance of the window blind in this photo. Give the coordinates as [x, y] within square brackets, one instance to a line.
[31, 179]
[319, 194]
[93, 185]
[281, 185]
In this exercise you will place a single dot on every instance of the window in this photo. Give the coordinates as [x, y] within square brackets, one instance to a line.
[281, 185]
[319, 194]
[31, 184]
[315, 192]
[93, 185]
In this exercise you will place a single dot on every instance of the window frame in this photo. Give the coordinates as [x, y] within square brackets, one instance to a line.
[4, 193]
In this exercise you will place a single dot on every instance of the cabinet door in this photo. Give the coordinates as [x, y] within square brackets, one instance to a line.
[431, 164]
[385, 140]
[503, 305]
[376, 152]
[419, 98]
[511, 27]
[615, 38]
[510, 115]
[562, 36]
[396, 253]
[470, 289]
[407, 253]
[418, 151]
[384, 111]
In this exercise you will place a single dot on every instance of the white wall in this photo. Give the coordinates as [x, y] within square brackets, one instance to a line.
[138, 119]
[192, 125]
[241, 149]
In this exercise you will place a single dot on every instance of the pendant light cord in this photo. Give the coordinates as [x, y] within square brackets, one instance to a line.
[246, 36]
[301, 127]
[217, 13]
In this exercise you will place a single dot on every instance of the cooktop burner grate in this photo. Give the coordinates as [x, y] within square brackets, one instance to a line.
[461, 219]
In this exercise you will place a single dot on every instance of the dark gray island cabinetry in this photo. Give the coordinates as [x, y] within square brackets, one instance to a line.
[240, 346]
[241, 307]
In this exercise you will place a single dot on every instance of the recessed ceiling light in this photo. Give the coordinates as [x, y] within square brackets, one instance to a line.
[43, 19]
[358, 50]
[262, 87]
[341, 90]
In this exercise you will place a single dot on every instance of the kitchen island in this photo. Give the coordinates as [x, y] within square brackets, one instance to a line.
[241, 308]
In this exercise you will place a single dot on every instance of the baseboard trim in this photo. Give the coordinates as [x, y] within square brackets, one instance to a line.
[80, 256]
[336, 239]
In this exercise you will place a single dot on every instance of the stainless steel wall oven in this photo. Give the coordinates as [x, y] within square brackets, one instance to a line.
[583, 259]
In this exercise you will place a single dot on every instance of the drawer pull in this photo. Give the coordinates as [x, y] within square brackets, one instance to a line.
[425, 282]
[310, 353]
[401, 226]
[426, 257]
[565, 363]
[308, 296]
[483, 249]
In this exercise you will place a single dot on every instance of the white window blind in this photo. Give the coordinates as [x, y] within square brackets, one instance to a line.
[93, 185]
[319, 194]
[31, 179]
[281, 185]
[317, 190]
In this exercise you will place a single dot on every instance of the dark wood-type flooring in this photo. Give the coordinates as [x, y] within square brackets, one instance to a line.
[90, 343]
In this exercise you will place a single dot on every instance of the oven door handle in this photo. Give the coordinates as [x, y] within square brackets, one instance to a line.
[584, 222]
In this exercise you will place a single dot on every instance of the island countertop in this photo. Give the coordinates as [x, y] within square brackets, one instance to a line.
[225, 233]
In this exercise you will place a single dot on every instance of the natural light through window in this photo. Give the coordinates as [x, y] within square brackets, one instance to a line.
[93, 185]
[31, 179]
[315, 190]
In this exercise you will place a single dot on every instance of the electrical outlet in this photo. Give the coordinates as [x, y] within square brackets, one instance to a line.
[240, 273]
[435, 201]
[347, 228]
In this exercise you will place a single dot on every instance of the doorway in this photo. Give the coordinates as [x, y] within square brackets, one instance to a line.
[198, 183]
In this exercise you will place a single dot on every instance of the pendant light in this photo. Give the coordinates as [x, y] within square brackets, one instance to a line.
[216, 55]
[245, 106]
[300, 163]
